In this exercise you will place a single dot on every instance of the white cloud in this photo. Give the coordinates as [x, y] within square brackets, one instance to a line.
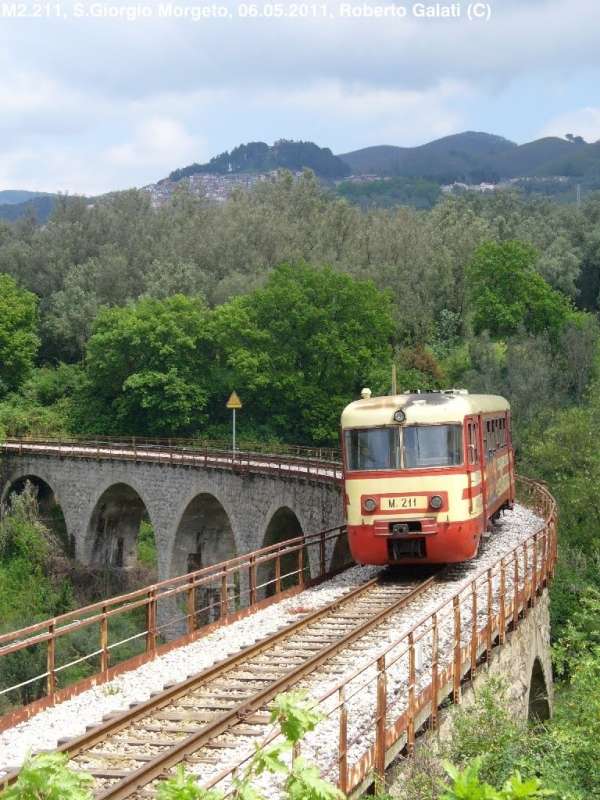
[158, 142]
[580, 122]
[93, 105]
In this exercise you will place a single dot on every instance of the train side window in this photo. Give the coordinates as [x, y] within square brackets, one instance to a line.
[490, 444]
[473, 454]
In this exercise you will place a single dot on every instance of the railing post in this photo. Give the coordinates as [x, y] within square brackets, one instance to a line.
[380, 724]
[51, 663]
[252, 571]
[534, 571]
[191, 604]
[104, 651]
[474, 630]
[301, 566]
[544, 569]
[343, 743]
[278, 573]
[457, 661]
[515, 620]
[526, 584]
[502, 620]
[224, 595]
[434, 671]
[151, 622]
[410, 729]
[490, 615]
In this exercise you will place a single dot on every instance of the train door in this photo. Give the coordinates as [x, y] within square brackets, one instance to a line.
[511, 458]
[491, 435]
[473, 459]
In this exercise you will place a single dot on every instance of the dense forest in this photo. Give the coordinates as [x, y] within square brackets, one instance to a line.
[123, 319]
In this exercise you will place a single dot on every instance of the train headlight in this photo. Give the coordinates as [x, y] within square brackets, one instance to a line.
[369, 504]
[399, 416]
[435, 501]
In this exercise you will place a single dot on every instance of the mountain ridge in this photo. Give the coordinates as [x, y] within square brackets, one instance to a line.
[474, 156]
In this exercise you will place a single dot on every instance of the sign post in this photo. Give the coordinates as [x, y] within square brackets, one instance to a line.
[234, 403]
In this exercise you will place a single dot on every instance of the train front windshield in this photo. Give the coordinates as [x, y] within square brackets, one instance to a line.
[409, 447]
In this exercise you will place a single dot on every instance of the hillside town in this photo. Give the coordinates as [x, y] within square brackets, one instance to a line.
[215, 188]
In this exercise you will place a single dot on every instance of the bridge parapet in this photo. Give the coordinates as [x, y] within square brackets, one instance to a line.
[195, 603]
[205, 504]
[291, 461]
[374, 714]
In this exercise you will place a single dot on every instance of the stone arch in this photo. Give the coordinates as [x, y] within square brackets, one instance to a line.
[204, 536]
[283, 525]
[50, 509]
[538, 700]
[113, 527]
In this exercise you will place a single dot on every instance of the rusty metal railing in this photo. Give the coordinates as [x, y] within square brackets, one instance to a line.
[374, 714]
[316, 463]
[178, 609]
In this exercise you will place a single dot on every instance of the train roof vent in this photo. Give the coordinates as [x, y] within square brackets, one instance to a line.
[437, 391]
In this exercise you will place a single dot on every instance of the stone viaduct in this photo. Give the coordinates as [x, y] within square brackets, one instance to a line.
[204, 507]
[208, 506]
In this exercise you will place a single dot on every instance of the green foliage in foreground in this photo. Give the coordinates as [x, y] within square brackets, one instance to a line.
[299, 779]
[48, 777]
[467, 785]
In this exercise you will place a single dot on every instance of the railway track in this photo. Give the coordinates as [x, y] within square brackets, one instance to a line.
[199, 720]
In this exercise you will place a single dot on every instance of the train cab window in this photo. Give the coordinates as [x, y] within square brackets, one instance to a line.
[432, 446]
[409, 447]
[372, 448]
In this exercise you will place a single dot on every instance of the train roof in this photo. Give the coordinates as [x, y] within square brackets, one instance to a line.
[423, 408]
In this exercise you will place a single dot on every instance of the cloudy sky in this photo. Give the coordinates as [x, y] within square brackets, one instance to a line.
[97, 96]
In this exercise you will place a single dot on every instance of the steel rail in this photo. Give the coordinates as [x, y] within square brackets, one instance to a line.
[140, 777]
[157, 767]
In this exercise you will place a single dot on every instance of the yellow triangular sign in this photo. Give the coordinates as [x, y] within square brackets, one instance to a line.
[234, 401]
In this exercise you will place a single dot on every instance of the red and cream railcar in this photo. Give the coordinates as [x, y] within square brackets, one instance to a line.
[424, 474]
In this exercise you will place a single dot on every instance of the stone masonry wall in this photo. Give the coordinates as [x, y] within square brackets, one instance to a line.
[248, 500]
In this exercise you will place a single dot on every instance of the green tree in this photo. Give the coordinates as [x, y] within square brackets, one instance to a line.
[301, 347]
[507, 293]
[18, 338]
[147, 368]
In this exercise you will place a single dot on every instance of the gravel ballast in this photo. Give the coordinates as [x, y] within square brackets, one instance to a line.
[71, 717]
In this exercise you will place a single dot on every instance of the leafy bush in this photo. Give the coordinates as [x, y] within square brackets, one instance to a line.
[301, 780]
[48, 777]
[467, 785]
